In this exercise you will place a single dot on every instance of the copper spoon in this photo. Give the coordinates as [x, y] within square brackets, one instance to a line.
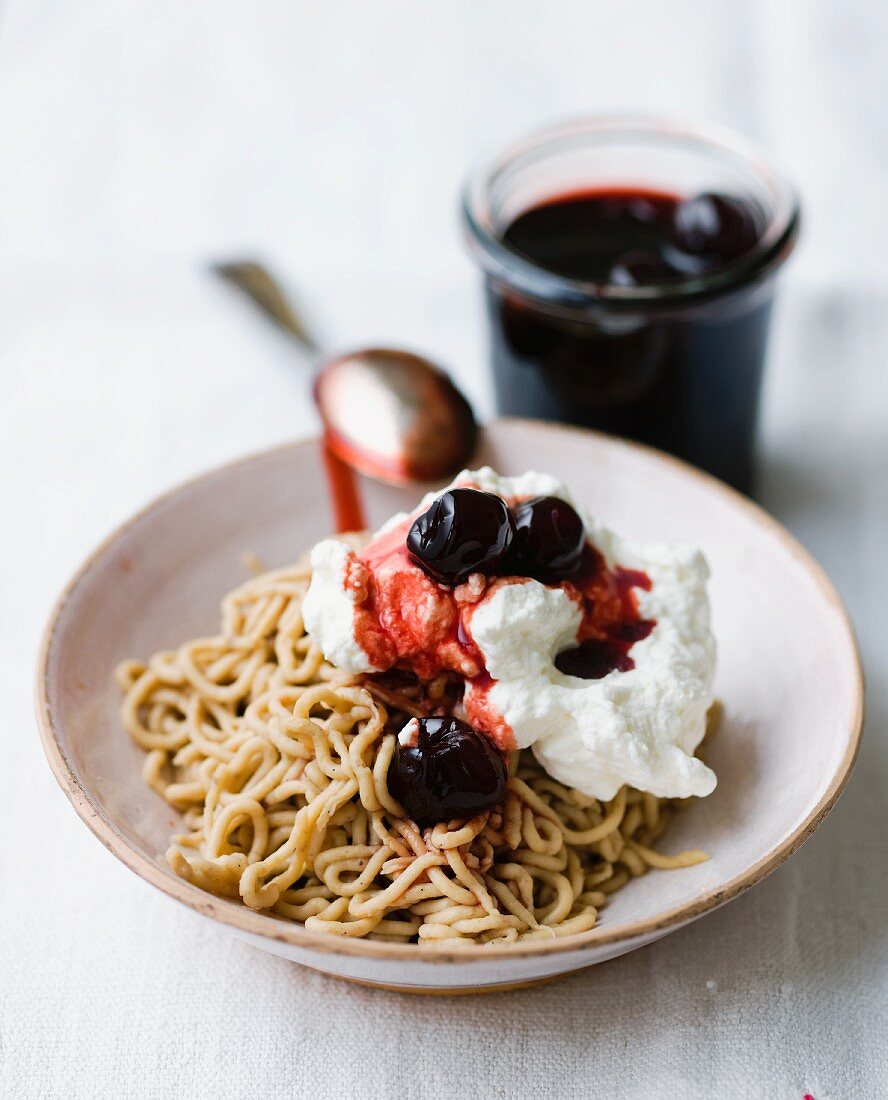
[389, 414]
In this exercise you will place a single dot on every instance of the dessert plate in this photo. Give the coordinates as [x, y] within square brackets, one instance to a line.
[789, 678]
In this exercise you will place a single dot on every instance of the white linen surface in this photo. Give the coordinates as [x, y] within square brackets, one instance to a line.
[142, 140]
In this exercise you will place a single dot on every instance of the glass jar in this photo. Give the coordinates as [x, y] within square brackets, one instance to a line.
[676, 363]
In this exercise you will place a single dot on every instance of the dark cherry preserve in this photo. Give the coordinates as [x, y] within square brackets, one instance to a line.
[683, 376]
[451, 771]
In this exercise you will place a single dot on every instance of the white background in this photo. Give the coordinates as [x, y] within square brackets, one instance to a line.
[141, 140]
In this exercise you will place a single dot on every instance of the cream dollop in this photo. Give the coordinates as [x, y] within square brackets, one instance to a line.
[328, 610]
[639, 727]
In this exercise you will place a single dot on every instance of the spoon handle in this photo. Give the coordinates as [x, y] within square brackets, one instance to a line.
[261, 287]
[264, 291]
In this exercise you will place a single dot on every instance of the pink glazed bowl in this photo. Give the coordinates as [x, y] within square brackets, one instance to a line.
[789, 678]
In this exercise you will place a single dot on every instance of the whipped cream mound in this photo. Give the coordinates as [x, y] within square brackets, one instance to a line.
[638, 727]
[328, 610]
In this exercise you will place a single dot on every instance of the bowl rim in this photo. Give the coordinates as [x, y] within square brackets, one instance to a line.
[294, 933]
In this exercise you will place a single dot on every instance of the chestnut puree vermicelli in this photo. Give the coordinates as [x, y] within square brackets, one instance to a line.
[278, 762]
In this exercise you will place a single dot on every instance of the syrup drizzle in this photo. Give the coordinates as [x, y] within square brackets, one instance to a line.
[348, 511]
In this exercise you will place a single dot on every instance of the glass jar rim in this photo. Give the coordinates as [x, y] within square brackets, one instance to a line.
[539, 284]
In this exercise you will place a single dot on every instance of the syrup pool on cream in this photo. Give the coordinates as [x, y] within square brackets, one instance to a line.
[638, 727]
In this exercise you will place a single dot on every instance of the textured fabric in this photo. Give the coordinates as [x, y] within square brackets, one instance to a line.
[140, 141]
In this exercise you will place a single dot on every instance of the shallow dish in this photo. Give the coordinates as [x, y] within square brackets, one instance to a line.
[789, 678]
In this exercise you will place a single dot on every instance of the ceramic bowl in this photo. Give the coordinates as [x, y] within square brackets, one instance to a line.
[788, 676]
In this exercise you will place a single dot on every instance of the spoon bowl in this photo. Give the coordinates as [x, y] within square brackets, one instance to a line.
[392, 415]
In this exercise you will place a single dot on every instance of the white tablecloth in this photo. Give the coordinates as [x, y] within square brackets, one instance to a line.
[140, 141]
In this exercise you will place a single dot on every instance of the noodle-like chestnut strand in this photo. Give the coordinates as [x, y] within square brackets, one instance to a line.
[278, 763]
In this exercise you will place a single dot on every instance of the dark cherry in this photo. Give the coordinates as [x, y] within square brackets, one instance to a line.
[713, 227]
[452, 771]
[640, 267]
[596, 657]
[549, 540]
[465, 531]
